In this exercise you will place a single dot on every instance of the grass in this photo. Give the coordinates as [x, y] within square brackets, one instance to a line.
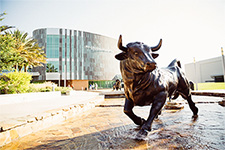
[211, 86]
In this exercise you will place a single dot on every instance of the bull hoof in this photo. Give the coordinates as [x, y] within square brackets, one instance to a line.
[142, 134]
[195, 117]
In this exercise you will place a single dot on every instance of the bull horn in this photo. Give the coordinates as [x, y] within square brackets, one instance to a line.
[120, 45]
[157, 47]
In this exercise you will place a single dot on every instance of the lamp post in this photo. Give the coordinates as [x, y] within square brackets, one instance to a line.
[196, 79]
[223, 64]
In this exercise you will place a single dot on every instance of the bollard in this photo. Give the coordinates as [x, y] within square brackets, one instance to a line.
[53, 87]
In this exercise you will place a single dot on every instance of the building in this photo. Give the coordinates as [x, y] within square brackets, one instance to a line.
[210, 70]
[79, 56]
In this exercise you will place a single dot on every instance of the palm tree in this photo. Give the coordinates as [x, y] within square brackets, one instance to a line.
[5, 27]
[51, 68]
[8, 55]
[29, 50]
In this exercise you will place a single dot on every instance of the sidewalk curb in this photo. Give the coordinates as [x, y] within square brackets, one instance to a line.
[44, 121]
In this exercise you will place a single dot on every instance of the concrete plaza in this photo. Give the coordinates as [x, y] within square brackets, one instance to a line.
[107, 127]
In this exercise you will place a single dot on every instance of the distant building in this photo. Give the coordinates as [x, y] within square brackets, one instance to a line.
[209, 70]
[79, 56]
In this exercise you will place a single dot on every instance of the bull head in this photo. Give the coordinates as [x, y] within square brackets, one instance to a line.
[140, 56]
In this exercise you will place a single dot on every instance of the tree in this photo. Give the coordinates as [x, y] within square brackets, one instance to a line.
[29, 50]
[8, 54]
[9, 57]
[51, 68]
[4, 27]
[17, 51]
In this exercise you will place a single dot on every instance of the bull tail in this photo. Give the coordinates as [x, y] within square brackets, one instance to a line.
[191, 85]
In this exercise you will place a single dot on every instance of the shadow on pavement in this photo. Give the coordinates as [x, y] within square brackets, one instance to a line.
[114, 138]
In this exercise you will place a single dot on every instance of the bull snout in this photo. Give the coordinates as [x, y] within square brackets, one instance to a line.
[150, 66]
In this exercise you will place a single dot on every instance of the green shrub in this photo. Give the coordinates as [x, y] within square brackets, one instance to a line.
[63, 89]
[39, 81]
[32, 89]
[46, 89]
[58, 88]
[18, 83]
[49, 88]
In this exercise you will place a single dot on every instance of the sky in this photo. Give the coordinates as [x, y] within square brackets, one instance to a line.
[189, 28]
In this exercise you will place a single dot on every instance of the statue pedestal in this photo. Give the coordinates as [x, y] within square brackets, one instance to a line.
[222, 103]
[173, 105]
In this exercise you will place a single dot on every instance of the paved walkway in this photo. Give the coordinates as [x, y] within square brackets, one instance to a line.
[32, 108]
[29, 116]
[109, 128]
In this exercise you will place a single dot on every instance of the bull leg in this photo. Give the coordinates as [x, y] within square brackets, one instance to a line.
[187, 95]
[129, 105]
[192, 106]
[157, 116]
[157, 105]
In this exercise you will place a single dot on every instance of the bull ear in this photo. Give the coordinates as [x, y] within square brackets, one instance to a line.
[121, 56]
[120, 45]
[157, 47]
[154, 55]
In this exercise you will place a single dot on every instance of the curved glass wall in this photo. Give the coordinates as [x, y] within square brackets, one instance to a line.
[79, 55]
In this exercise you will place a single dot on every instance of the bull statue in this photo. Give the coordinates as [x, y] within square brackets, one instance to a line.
[145, 84]
[117, 85]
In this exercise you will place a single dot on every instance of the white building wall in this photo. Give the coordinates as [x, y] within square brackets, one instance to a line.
[204, 70]
[53, 31]
[52, 76]
[190, 72]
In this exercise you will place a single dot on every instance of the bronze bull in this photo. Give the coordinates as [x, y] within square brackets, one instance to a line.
[145, 84]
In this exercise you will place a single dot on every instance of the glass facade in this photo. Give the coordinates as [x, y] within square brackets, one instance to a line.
[79, 55]
[52, 47]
